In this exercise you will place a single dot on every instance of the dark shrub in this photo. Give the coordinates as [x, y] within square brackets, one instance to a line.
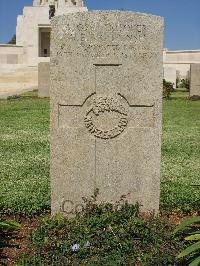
[167, 89]
[184, 83]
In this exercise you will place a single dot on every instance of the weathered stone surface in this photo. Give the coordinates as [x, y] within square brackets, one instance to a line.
[12, 59]
[43, 79]
[195, 80]
[106, 93]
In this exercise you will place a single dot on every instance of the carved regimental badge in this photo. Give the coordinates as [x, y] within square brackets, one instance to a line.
[107, 118]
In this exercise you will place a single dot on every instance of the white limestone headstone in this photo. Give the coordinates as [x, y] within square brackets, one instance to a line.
[106, 95]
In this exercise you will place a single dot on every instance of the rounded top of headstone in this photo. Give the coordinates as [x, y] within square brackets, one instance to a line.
[112, 13]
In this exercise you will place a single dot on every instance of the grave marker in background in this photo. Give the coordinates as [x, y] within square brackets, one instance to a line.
[170, 75]
[195, 80]
[43, 79]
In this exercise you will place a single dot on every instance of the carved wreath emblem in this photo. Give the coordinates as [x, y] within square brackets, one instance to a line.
[106, 106]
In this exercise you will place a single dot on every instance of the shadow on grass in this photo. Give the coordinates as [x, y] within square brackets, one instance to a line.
[7, 239]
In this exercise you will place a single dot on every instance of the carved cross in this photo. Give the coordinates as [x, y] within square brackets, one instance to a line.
[105, 116]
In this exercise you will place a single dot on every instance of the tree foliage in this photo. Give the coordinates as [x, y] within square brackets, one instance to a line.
[12, 40]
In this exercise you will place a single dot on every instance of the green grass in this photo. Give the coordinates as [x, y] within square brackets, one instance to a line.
[33, 93]
[180, 187]
[24, 154]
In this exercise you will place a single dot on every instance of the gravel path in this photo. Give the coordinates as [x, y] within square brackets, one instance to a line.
[14, 89]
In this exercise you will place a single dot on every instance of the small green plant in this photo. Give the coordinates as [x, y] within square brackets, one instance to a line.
[8, 225]
[5, 227]
[167, 89]
[13, 97]
[192, 228]
[184, 83]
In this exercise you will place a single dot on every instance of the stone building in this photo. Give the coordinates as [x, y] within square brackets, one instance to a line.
[177, 63]
[33, 26]
[19, 63]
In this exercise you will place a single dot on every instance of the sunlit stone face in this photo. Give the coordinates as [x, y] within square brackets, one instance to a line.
[106, 94]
